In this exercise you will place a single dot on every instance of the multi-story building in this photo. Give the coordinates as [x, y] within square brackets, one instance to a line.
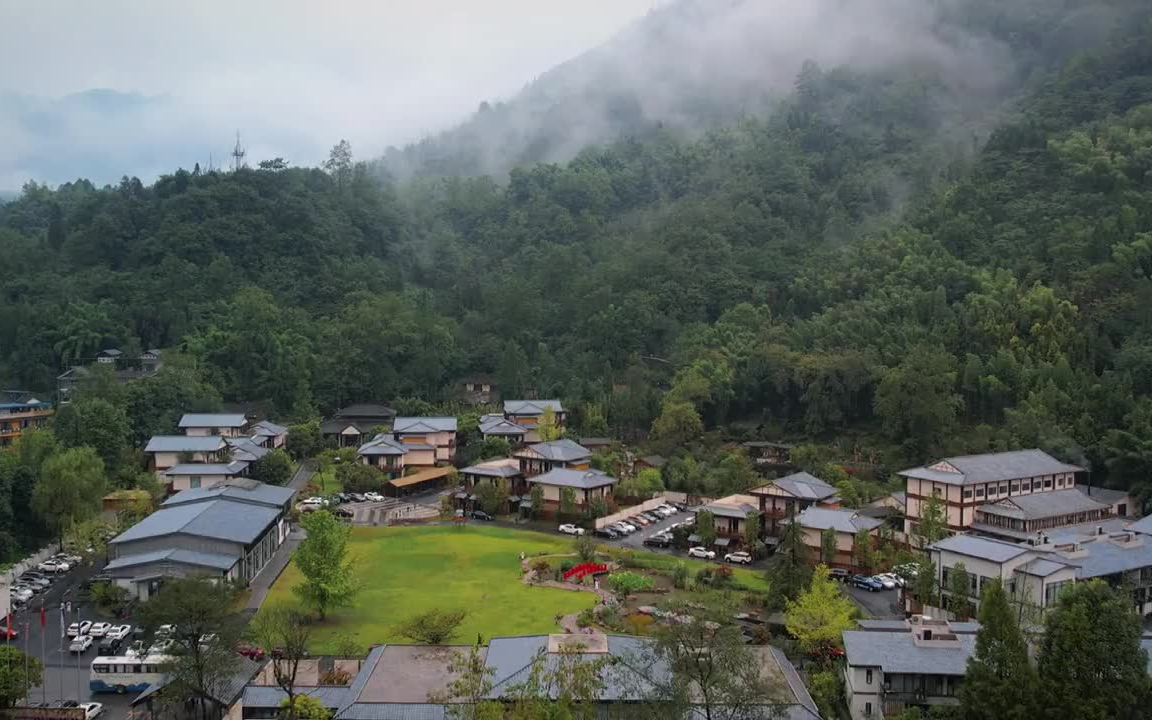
[543, 457]
[222, 424]
[586, 486]
[529, 413]
[439, 432]
[125, 369]
[847, 524]
[791, 495]
[19, 412]
[967, 484]
[899, 665]
[167, 451]
[504, 473]
[357, 424]
[498, 426]
[391, 456]
[730, 517]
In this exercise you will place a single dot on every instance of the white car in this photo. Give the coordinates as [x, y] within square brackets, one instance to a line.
[740, 558]
[92, 710]
[373, 497]
[887, 582]
[118, 632]
[20, 594]
[897, 581]
[700, 552]
[569, 529]
[99, 629]
[81, 644]
[666, 510]
[52, 566]
[79, 628]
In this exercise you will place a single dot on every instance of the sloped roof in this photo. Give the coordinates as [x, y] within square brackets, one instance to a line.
[1103, 558]
[1142, 526]
[213, 420]
[897, 652]
[183, 443]
[511, 659]
[233, 468]
[561, 450]
[246, 449]
[424, 424]
[733, 506]
[243, 490]
[1042, 567]
[384, 445]
[494, 468]
[531, 407]
[581, 479]
[365, 410]
[992, 467]
[846, 521]
[1108, 496]
[805, 486]
[218, 519]
[655, 461]
[267, 428]
[979, 547]
[1036, 506]
[216, 561]
[498, 425]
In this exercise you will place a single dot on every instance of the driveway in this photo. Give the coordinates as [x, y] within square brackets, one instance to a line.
[881, 604]
[303, 474]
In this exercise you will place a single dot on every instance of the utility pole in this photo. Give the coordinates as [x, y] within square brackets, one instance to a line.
[238, 154]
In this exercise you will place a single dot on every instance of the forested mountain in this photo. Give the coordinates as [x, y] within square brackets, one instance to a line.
[847, 268]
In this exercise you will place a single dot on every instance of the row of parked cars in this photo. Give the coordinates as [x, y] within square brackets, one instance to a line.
[85, 633]
[635, 523]
[92, 710]
[871, 583]
[33, 582]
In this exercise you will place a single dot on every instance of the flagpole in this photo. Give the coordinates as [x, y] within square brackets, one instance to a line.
[44, 653]
[27, 690]
[63, 627]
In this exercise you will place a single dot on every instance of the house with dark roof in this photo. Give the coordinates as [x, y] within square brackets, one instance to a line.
[504, 473]
[768, 454]
[20, 412]
[916, 665]
[194, 475]
[356, 424]
[391, 456]
[222, 424]
[269, 434]
[167, 451]
[543, 457]
[439, 432]
[968, 482]
[528, 413]
[229, 531]
[1025, 518]
[845, 523]
[586, 485]
[792, 494]
[497, 426]
[125, 369]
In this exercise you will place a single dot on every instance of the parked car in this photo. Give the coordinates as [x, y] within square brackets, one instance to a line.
[481, 515]
[344, 513]
[839, 574]
[79, 628]
[98, 629]
[9, 633]
[652, 516]
[639, 520]
[739, 557]
[109, 646]
[569, 529]
[357, 497]
[606, 532]
[890, 581]
[81, 644]
[373, 497]
[118, 632]
[53, 566]
[72, 560]
[624, 527]
[662, 541]
[702, 552]
[865, 582]
[19, 594]
[92, 710]
[251, 652]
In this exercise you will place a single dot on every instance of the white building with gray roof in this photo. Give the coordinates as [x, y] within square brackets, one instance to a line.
[229, 531]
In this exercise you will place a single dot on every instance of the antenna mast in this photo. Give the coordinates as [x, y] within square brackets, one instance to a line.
[238, 154]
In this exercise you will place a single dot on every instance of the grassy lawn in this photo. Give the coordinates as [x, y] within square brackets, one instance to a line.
[745, 579]
[327, 482]
[406, 571]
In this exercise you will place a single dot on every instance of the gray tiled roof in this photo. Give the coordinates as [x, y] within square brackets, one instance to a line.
[1042, 567]
[885, 625]
[978, 547]
[562, 450]
[581, 479]
[219, 519]
[1108, 496]
[245, 449]
[267, 428]
[270, 696]
[511, 659]
[366, 410]
[213, 420]
[383, 445]
[729, 511]
[656, 461]
[233, 468]
[993, 467]
[243, 490]
[424, 424]
[805, 486]
[1036, 506]
[394, 711]
[501, 471]
[497, 425]
[183, 443]
[1142, 526]
[897, 652]
[184, 557]
[1104, 558]
[531, 407]
[846, 521]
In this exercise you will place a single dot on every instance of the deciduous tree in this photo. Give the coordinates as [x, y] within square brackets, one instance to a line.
[70, 488]
[18, 673]
[819, 617]
[329, 577]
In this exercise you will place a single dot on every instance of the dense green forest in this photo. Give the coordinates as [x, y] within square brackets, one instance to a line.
[863, 267]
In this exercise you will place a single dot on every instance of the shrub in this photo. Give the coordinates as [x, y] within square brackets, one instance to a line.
[624, 584]
[680, 576]
[567, 565]
[638, 624]
[722, 576]
[761, 634]
[704, 577]
[586, 548]
[541, 567]
[585, 618]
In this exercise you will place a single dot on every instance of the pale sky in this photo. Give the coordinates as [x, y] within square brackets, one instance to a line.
[294, 76]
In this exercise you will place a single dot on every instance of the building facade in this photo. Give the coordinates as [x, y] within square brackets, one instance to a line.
[19, 413]
[438, 432]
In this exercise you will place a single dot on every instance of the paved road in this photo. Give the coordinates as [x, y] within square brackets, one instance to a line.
[882, 604]
[303, 474]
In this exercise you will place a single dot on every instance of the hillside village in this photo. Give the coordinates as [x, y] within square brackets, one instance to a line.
[915, 562]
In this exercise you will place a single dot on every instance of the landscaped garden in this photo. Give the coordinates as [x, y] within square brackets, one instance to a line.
[404, 572]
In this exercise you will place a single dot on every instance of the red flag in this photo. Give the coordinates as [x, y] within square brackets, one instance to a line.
[43, 616]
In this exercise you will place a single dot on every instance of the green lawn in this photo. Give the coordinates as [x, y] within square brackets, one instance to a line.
[406, 571]
[327, 482]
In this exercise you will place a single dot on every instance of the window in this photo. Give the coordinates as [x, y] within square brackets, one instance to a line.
[967, 494]
[1060, 481]
[194, 481]
[1015, 487]
[1003, 488]
[1047, 483]
[868, 677]
[1026, 486]
[980, 492]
